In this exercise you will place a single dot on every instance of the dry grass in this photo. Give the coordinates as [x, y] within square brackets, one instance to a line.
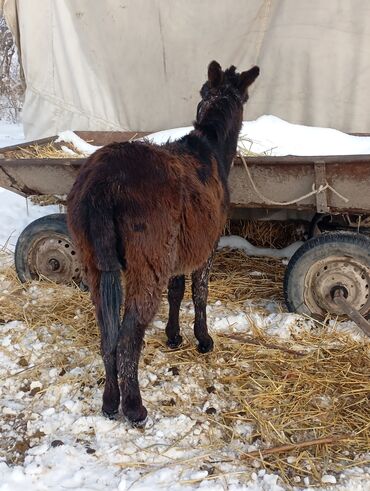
[274, 234]
[306, 398]
[48, 199]
[54, 150]
[245, 146]
[236, 277]
[308, 401]
[45, 151]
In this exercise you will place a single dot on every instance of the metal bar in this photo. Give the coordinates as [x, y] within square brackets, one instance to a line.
[105, 137]
[320, 180]
[353, 314]
[311, 159]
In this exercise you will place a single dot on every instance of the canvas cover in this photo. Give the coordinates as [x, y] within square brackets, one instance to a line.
[139, 64]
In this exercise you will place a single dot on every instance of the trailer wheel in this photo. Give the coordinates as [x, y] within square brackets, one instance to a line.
[320, 266]
[45, 250]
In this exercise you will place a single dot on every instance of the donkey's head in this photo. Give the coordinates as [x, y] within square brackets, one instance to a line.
[222, 85]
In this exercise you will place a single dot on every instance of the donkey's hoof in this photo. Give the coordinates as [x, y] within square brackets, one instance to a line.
[110, 404]
[206, 346]
[175, 342]
[139, 424]
[110, 415]
[136, 418]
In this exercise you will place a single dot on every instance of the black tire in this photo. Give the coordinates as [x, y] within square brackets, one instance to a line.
[45, 250]
[321, 264]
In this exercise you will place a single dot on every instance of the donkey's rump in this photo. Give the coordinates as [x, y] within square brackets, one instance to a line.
[163, 211]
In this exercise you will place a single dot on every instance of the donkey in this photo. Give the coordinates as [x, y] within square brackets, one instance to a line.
[156, 213]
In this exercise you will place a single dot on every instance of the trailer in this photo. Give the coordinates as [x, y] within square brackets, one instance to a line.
[328, 274]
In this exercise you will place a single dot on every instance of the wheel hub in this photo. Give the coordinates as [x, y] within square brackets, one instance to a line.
[54, 264]
[54, 258]
[328, 274]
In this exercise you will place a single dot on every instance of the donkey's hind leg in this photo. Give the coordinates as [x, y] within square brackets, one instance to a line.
[176, 289]
[108, 346]
[199, 290]
[140, 308]
[128, 355]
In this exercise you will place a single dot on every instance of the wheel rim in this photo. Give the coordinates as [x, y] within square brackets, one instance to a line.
[326, 274]
[54, 257]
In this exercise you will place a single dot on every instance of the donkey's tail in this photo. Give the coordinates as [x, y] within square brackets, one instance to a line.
[106, 242]
[110, 306]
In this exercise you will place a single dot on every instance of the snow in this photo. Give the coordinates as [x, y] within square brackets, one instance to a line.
[236, 242]
[267, 135]
[81, 145]
[10, 134]
[273, 136]
[16, 212]
[328, 479]
[164, 136]
[71, 446]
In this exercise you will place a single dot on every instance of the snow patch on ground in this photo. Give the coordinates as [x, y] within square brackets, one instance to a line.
[10, 134]
[16, 212]
[71, 446]
[236, 242]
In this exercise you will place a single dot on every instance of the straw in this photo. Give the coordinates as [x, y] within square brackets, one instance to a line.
[305, 399]
[45, 151]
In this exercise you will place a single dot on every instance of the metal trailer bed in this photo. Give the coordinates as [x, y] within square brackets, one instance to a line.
[330, 273]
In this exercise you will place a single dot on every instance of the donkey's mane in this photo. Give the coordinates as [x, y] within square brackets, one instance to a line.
[220, 117]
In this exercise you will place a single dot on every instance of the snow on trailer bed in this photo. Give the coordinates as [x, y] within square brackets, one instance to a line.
[322, 181]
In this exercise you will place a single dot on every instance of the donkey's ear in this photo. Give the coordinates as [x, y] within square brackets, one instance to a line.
[247, 78]
[215, 74]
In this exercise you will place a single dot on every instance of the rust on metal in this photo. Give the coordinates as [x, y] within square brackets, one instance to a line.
[106, 137]
[320, 182]
[329, 273]
[278, 179]
[52, 256]
[39, 176]
[340, 300]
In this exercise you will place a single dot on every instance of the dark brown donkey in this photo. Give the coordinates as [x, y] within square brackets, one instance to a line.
[155, 213]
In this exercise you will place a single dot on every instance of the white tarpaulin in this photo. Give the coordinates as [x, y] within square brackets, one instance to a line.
[139, 64]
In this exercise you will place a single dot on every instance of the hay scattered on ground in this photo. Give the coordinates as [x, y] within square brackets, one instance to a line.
[236, 277]
[305, 400]
[308, 410]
